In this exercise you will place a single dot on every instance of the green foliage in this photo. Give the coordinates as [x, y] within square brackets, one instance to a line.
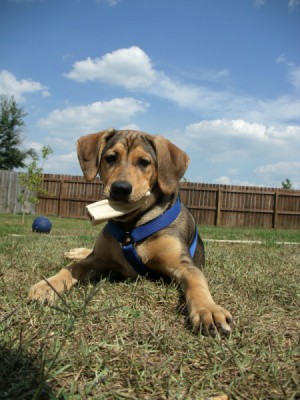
[32, 179]
[287, 184]
[11, 124]
[184, 179]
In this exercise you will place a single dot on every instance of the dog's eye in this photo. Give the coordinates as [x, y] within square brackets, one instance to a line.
[111, 158]
[144, 162]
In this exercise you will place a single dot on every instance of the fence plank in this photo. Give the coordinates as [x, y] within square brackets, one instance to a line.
[219, 199]
[275, 214]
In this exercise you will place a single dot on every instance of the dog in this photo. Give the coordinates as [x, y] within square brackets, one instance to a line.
[131, 164]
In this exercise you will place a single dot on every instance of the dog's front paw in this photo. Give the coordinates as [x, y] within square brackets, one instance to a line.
[210, 319]
[42, 292]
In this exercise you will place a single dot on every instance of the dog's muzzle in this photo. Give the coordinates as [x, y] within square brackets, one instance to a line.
[121, 190]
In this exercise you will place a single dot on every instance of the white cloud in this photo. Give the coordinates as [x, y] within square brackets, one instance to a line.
[62, 160]
[227, 128]
[282, 167]
[215, 75]
[293, 71]
[72, 121]
[200, 74]
[293, 4]
[223, 180]
[111, 3]
[280, 171]
[212, 103]
[294, 77]
[226, 180]
[130, 68]
[63, 144]
[243, 130]
[131, 127]
[279, 110]
[240, 142]
[260, 3]
[9, 85]
[193, 97]
[67, 162]
[23, 1]
[233, 171]
[237, 152]
[29, 144]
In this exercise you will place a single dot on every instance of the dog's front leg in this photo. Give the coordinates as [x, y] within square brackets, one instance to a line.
[204, 313]
[47, 289]
[167, 256]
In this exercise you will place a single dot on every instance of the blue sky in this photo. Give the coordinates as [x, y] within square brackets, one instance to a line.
[219, 78]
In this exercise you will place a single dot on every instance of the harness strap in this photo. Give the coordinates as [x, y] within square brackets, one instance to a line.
[141, 233]
[194, 243]
[148, 229]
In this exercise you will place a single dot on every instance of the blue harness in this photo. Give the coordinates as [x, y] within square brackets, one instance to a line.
[128, 240]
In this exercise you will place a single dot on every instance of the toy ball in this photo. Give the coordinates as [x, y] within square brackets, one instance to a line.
[41, 225]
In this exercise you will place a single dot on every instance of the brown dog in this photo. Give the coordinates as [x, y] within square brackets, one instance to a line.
[130, 164]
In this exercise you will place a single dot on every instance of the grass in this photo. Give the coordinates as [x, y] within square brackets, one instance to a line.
[130, 340]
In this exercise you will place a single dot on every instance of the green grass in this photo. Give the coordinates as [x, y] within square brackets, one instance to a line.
[130, 340]
[256, 234]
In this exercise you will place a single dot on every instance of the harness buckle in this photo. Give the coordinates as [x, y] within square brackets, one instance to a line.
[127, 240]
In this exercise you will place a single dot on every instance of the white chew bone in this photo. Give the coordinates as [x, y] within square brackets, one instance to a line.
[104, 210]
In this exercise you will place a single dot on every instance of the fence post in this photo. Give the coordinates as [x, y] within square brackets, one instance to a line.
[218, 207]
[60, 197]
[275, 214]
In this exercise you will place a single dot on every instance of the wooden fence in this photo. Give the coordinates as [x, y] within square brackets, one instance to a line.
[220, 205]
[10, 189]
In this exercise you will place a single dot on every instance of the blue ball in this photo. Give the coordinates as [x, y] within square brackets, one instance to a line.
[41, 225]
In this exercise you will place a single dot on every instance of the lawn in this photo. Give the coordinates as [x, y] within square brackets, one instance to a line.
[130, 340]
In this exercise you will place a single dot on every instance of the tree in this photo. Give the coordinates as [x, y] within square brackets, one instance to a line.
[287, 184]
[32, 180]
[184, 179]
[11, 124]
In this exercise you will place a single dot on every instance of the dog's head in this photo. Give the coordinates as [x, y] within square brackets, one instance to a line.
[131, 163]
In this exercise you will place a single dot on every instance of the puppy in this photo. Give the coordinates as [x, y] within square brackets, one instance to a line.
[159, 238]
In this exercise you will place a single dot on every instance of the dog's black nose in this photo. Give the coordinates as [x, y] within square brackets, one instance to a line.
[120, 190]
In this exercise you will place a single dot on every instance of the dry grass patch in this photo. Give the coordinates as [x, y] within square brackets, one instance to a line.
[130, 340]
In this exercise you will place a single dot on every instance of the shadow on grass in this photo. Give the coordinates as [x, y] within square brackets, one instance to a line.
[22, 376]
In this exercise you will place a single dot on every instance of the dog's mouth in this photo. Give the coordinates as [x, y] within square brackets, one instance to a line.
[110, 209]
[123, 193]
[129, 201]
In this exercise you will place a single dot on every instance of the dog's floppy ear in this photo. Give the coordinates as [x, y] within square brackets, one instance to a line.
[89, 149]
[172, 163]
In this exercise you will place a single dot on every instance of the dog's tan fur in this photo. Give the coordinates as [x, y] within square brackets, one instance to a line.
[146, 163]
